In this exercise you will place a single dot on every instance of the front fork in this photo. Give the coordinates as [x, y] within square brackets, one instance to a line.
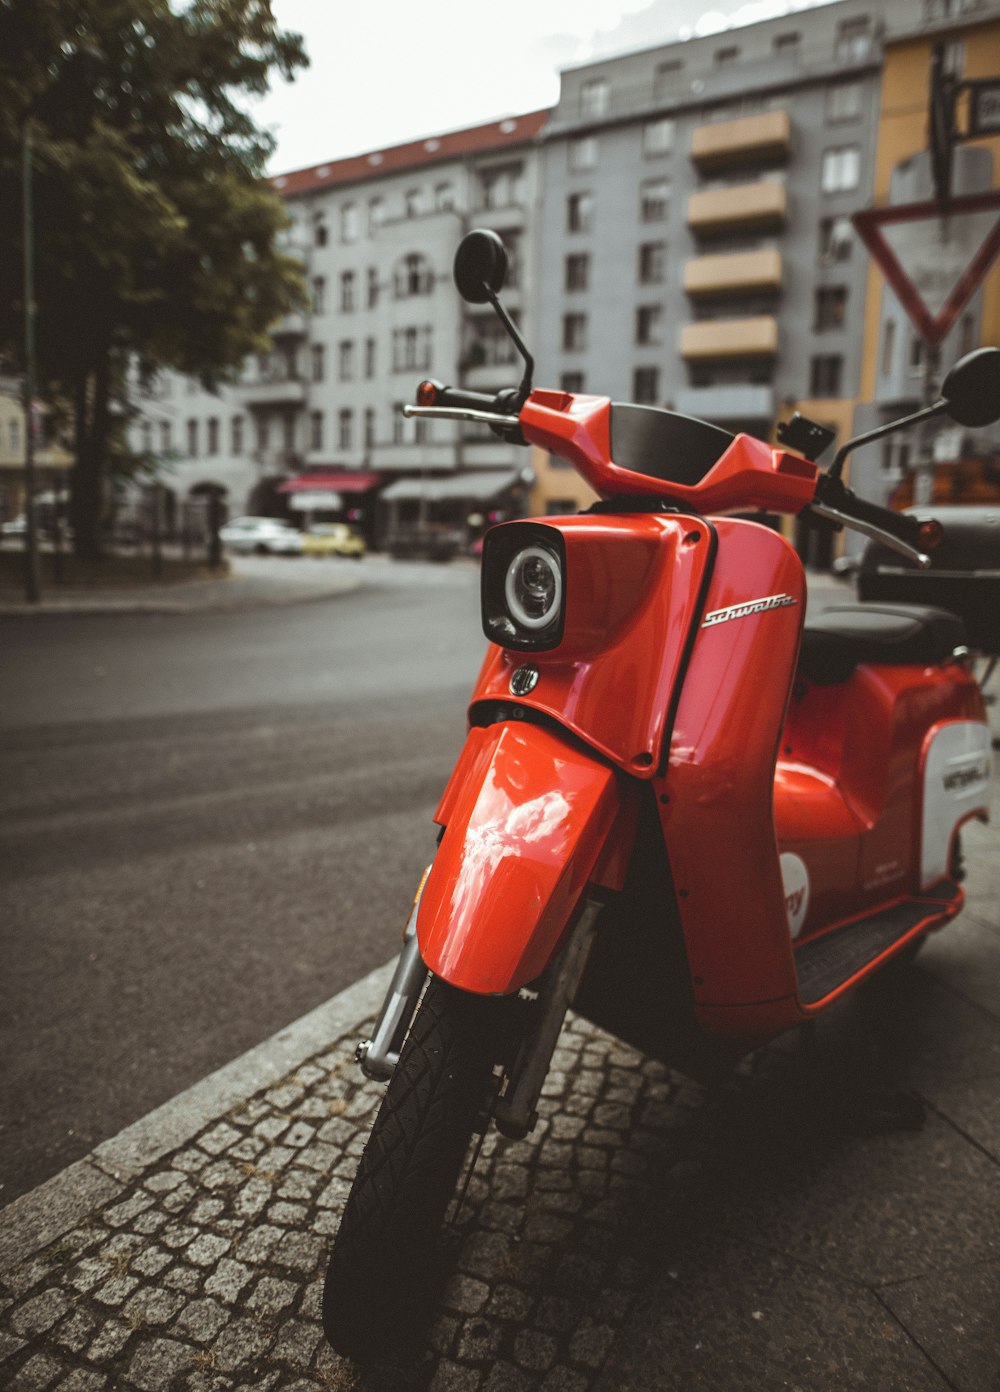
[516, 1108]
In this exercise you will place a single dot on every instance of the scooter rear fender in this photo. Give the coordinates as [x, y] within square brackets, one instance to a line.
[530, 819]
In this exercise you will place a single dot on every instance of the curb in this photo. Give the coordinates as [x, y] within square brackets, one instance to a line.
[47, 1212]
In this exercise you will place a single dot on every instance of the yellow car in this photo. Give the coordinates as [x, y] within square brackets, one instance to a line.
[333, 539]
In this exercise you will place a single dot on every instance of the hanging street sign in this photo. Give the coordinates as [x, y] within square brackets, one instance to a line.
[934, 254]
[984, 108]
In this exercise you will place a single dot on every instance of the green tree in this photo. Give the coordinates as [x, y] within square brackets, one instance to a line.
[156, 233]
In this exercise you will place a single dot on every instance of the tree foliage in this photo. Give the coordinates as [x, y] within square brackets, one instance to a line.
[156, 235]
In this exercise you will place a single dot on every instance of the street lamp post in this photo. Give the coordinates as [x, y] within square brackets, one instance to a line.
[32, 584]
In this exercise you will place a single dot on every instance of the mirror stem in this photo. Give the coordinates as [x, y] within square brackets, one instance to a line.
[529, 362]
[837, 467]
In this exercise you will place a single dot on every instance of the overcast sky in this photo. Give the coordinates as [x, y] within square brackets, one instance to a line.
[387, 71]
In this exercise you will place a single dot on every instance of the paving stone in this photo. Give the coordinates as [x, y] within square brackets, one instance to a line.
[116, 1291]
[299, 1251]
[478, 1339]
[111, 1339]
[240, 1343]
[179, 1198]
[228, 1279]
[564, 1380]
[207, 1249]
[39, 1373]
[75, 1332]
[9, 1345]
[190, 1161]
[506, 1377]
[591, 1343]
[465, 1294]
[163, 1181]
[183, 1278]
[220, 1138]
[205, 1211]
[453, 1377]
[534, 1350]
[298, 1135]
[153, 1306]
[253, 1196]
[39, 1313]
[82, 1380]
[271, 1127]
[222, 1175]
[178, 1235]
[271, 1295]
[284, 1095]
[296, 1344]
[150, 1222]
[201, 1320]
[157, 1362]
[122, 1213]
[288, 1215]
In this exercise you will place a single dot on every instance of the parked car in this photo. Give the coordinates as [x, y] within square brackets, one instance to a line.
[333, 539]
[261, 536]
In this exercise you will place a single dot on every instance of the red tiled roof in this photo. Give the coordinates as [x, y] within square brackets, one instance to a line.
[471, 141]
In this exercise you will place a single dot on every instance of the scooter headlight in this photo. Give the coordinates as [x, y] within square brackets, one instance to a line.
[523, 586]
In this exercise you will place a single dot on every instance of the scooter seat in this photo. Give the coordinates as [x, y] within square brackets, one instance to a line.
[837, 639]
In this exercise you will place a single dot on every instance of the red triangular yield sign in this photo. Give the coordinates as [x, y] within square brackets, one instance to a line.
[934, 254]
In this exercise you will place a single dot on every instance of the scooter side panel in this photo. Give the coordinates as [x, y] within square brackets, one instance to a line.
[528, 817]
[715, 799]
[956, 786]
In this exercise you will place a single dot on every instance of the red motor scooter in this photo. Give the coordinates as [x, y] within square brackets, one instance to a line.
[678, 810]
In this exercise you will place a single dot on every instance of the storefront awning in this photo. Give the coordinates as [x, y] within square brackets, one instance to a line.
[330, 481]
[475, 487]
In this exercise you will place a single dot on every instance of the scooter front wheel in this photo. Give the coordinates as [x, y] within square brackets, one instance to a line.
[377, 1288]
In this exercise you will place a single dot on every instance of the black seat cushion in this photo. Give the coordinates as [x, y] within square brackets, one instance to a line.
[837, 639]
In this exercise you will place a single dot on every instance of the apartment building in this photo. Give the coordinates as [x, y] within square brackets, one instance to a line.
[314, 426]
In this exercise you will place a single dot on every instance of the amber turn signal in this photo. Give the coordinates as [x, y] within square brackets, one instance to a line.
[931, 533]
[427, 393]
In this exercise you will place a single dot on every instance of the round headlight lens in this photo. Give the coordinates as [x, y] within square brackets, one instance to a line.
[533, 587]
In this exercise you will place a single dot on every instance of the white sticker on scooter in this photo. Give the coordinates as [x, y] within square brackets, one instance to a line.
[956, 784]
[795, 878]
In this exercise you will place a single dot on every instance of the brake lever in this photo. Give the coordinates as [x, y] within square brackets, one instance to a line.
[869, 529]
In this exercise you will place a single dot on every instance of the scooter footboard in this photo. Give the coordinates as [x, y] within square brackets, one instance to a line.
[528, 816]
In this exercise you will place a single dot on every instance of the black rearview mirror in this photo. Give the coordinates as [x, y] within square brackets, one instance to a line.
[480, 266]
[972, 388]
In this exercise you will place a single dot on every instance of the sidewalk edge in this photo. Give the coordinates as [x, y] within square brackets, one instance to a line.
[43, 1215]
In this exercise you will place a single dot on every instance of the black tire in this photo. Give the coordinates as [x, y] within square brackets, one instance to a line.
[379, 1283]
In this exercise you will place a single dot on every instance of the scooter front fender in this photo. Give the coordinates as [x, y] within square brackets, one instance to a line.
[528, 817]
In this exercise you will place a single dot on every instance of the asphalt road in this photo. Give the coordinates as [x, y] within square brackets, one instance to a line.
[209, 824]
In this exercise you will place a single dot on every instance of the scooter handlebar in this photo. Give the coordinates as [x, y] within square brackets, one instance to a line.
[910, 536]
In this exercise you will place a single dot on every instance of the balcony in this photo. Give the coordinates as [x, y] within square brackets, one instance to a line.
[291, 326]
[727, 404]
[746, 273]
[714, 340]
[762, 139]
[267, 392]
[759, 207]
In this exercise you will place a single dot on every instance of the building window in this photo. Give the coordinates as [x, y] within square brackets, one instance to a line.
[489, 344]
[400, 425]
[654, 199]
[369, 357]
[658, 137]
[665, 77]
[289, 432]
[147, 437]
[571, 382]
[916, 361]
[574, 333]
[236, 435]
[786, 45]
[577, 271]
[652, 263]
[345, 360]
[345, 429]
[579, 212]
[320, 231]
[316, 430]
[888, 346]
[830, 307]
[347, 281]
[840, 169]
[319, 294]
[411, 349]
[501, 187]
[648, 324]
[349, 223]
[444, 197]
[726, 57]
[413, 202]
[844, 101]
[414, 276]
[583, 153]
[372, 286]
[376, 214]
[317, 356]
[165, 433]
[192, 434]
[854, 40]
[825, 375]
[836, 236]
[212, 446]
[369, 427]
[595, 97]
[646, 385]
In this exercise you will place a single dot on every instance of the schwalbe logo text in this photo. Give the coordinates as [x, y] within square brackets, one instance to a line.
[744, 611]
